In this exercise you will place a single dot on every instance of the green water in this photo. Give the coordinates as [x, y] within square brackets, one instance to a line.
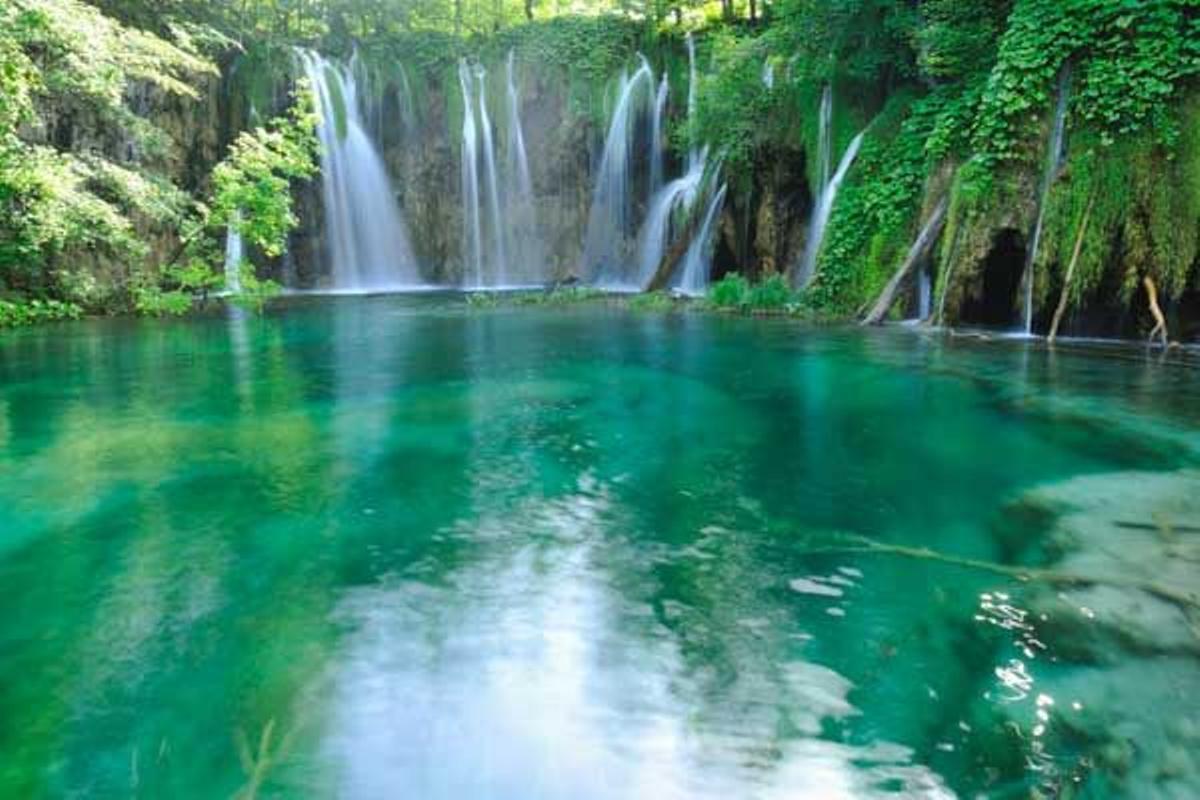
[393, 548]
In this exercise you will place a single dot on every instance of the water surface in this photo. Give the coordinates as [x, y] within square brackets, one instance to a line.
[391, 547]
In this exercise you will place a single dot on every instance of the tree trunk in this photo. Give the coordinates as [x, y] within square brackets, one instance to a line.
[1066, 290]
[529, 10]
[1160, 322]
[929, 235]
[753, 11]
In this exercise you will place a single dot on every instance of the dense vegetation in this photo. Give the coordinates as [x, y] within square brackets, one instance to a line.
[955, 99]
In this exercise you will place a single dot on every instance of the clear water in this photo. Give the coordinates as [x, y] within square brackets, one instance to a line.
[392, 547]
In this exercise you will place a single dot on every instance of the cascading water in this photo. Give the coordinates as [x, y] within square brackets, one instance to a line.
[656, 137]
[1055, 158]
[525, 246]
[829, 189]
[610, 227]
[825, 138]
[691, 98]
[408, 116]
[924, 295]
[697, 263]
[367, 239]
[668, 214]
[472, 244]
[235, 253]
[498, 274]
[768, 74]
[498, 205]
[673, 201]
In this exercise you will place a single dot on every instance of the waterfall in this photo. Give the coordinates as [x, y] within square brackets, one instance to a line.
[768, 74]
[235, 253]
[404, 97]
[671, 206]
[825, 138]
[610, 227]
[924, 295]
[1055, 157]
[367, 240]
[656, 138]
[697, 263]
[526, 246]
[829, 188]
[675, 199]
[691, 98]
[472, 244]
[498, 258]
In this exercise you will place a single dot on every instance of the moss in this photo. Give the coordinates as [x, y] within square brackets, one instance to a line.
[1145, 211]
[876, 213]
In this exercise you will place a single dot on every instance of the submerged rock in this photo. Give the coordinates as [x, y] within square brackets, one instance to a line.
[1125, 528]
[1113, 705]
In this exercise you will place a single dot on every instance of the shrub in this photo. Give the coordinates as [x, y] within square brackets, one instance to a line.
[773, 293]
[13, 315]
[652, 301]
[732, 291]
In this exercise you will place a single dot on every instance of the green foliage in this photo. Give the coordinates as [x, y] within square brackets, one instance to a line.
[255, 292]
[652, 302]
[732, 291]
[1131, 58]
[152, 301]
[873, 217]
[252, 185]
[734, 109]
[589, 48]
[67, 56]
[770, 294]
[14, 315]
[555, 297]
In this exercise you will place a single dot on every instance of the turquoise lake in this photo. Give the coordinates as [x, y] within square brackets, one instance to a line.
[398, 547]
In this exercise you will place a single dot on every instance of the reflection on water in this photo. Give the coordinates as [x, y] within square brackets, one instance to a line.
[386, 547]
[533, 678]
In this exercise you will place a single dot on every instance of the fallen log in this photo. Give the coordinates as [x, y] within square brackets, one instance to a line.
[1160, 321]
[673, 255]
[929, 234]
[1066, 290]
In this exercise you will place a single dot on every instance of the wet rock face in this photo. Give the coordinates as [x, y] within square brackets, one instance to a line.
[780, 215]
[424, 161]
[185, 153]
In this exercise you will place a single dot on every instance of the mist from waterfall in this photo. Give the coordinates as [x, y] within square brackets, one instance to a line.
[366, 237]
[823, 208]
[1055, 159]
